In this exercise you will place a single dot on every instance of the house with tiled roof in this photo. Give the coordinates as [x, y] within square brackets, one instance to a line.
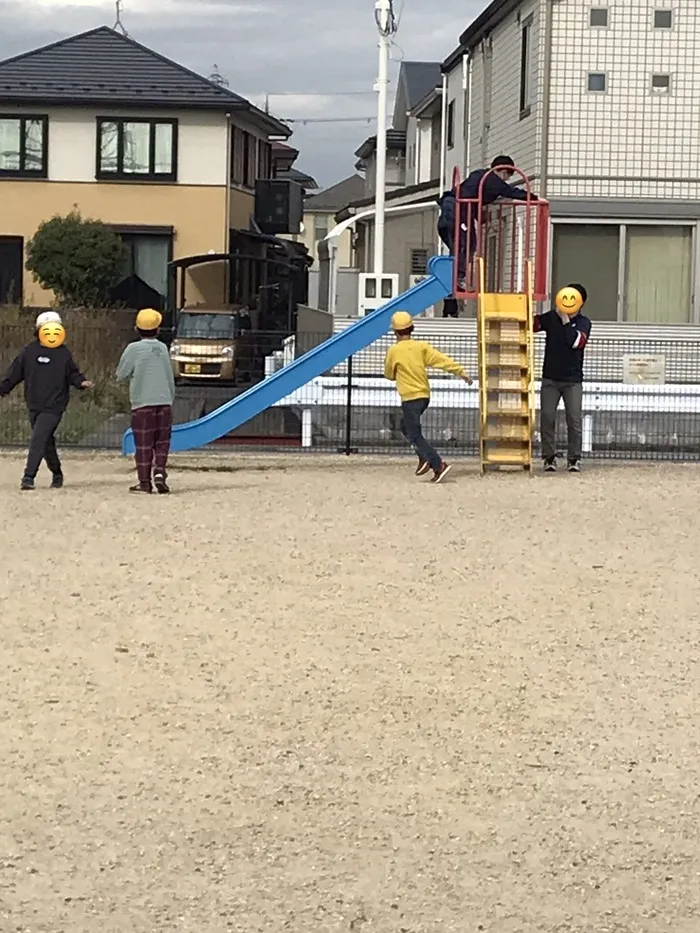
[166, 157]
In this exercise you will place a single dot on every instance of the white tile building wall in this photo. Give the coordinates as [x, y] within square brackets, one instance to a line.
[596, 138]
[629, 142]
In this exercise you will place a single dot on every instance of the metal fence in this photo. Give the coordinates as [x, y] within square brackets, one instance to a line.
[641, 397]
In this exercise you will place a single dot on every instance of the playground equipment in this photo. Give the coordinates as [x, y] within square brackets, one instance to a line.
[504, 249]
[502, 263]
[319, 360]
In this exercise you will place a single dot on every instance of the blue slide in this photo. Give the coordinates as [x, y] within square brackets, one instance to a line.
[436, 286]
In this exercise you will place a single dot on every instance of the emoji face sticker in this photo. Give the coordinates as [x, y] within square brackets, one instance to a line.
[569, 300]
[51, 335]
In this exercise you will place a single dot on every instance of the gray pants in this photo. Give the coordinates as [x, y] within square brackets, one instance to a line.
[572, 393]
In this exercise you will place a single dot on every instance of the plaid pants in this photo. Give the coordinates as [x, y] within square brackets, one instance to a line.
[152, 427]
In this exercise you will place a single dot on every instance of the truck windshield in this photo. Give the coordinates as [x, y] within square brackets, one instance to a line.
[206, 326]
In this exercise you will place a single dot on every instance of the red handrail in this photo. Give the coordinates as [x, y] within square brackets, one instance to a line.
[476, 214]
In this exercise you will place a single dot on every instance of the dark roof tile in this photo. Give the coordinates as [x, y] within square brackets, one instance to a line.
[104, 67]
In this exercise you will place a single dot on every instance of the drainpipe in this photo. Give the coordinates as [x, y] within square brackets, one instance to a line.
[546, 95]
[443, 152]
[467, 108]
[227, 211]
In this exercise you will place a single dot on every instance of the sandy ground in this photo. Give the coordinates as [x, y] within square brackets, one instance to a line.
[320, 695]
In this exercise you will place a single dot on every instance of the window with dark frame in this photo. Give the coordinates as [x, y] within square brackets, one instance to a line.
[251, 158]
[663, 19]
[597, 82]
[598, 16]
[661, 84]
[24, 146]
[525, 68]
[451, 124]
[137, 149]
[264, 160]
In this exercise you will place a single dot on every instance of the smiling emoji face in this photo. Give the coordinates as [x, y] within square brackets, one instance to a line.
[569, 300]
[51, 335]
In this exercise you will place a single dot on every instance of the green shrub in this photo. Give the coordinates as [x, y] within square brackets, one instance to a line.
[79, 260]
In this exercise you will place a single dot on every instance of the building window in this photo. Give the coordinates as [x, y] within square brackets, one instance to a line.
[146, 270]
[23, 146]
[320, 227]
[658, 269]
[598, 16]
[451, 124]
[633, 272]
[661, 84]
[137, 150]
[597, 82]
[244, 158]
[264, 160]
[525, 69]
[663, 19]
[419, 261]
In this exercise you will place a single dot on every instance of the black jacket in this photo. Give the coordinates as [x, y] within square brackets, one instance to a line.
[47, 375]
[493, 188]
[563, 352]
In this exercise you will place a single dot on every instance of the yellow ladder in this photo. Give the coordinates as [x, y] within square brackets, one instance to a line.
[506, 367]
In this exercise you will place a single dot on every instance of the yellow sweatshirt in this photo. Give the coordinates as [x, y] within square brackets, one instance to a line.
[407, 362]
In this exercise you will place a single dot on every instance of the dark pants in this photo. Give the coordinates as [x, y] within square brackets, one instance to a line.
[450, 308]
[42, 445]
[411, 429]
[572, 393]
[152, 427]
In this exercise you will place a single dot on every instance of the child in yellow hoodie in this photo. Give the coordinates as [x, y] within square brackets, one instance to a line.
[406, 364]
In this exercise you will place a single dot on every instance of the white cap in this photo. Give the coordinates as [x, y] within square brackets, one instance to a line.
[48, 317]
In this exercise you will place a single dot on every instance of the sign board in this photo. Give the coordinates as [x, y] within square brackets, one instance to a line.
[644, 370]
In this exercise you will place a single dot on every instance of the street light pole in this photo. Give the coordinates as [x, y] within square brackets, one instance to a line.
[386, 24]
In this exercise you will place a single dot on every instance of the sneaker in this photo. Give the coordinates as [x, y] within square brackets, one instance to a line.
[57, 481]
[550, 465]
[160, 484]
[139, 488]
[441, 472]
[574, 466]
[422, 468]
[27, 484]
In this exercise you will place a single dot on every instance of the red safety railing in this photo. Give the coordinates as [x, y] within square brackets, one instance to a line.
[505, 234]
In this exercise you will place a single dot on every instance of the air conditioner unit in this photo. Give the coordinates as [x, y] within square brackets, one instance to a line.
[414, 280]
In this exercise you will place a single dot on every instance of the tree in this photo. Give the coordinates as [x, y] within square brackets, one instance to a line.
[78, 260]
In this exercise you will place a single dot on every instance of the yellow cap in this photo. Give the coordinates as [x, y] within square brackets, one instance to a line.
[149, 319]
[402, 320]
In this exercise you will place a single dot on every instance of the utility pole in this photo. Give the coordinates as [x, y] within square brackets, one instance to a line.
[386, 24]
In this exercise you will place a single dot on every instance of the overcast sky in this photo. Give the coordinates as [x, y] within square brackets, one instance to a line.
[290, 48]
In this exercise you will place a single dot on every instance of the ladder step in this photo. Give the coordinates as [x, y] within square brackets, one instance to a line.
[503, 305]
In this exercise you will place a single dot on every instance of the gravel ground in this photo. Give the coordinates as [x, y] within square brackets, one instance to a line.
[316, 694]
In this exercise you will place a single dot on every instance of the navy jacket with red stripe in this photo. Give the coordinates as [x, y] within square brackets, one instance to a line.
[563, 352]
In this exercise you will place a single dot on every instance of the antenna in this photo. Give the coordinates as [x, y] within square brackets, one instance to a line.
[118, 24]
[217, 78]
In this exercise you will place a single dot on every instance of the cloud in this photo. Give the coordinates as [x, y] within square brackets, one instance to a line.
[316, 59]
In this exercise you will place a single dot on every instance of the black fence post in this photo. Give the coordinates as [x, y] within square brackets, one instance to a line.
[348, 448]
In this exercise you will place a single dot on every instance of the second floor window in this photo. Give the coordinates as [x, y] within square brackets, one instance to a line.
[246, 159]
[23, 146]
[451, 124]
[134, 150]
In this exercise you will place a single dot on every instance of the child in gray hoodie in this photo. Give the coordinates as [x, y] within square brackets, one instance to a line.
[146, 364]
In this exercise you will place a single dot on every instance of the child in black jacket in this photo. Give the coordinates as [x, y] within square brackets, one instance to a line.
[47, 369]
